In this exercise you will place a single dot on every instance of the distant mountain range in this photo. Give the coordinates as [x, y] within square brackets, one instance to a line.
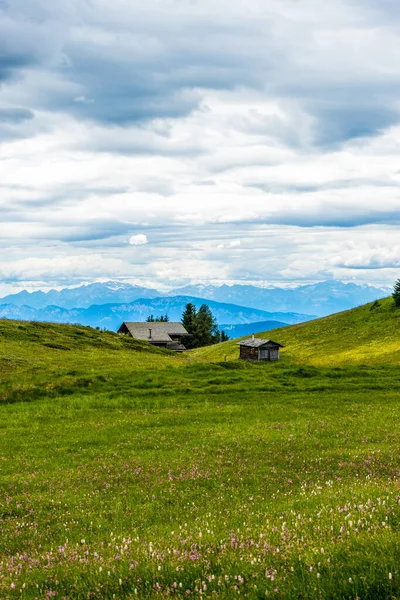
[110, 316]
[320, 299]
[315, 299]
[82, 296]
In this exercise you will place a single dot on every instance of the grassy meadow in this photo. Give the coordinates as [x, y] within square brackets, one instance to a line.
[131, 472]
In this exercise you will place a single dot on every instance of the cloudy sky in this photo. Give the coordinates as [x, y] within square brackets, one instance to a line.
[177, 141]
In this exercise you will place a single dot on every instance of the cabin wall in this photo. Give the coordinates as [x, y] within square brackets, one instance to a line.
[269, 353]
[247, 353]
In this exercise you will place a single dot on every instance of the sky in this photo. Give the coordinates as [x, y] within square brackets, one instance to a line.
[170, 142]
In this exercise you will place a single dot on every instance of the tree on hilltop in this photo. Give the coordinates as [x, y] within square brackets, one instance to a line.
[224, 336]
[396, 293]
[206, 330]
[189, 321]
[202, 326]
[162, 319]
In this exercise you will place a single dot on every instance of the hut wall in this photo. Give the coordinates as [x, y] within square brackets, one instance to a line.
[269, 352]
[247, 353]
[274, 354]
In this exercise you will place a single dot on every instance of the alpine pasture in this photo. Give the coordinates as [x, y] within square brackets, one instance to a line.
[132, 472]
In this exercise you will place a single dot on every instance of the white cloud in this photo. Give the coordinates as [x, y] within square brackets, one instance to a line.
[279, 140]
[138, 240]
[84, 100]
[228, 245]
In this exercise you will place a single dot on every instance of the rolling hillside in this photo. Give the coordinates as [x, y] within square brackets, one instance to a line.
[368, 334]
[122, 477]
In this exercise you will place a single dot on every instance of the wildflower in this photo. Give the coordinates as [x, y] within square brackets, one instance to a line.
[82, 541]
[322, 551]
[390, 576]
[350, 580]
[318, 575]
[12, 586]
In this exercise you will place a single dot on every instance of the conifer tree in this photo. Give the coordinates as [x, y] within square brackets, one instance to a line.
[396, 293]
[217, 337]
[206, 326]
[162, 319]
[189, 321]
[202, 326]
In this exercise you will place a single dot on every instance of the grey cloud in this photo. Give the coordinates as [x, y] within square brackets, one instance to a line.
[145, 64]
[337, 184]
[341, 120]
[13, 123]
[338, 217]
[24, 44]
[372, 266]
[15, 115]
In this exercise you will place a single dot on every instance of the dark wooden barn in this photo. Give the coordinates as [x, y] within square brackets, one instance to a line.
[164, 335]
[258, 349]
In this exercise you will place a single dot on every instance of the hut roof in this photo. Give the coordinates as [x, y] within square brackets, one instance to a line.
[257, 343]
[160, 332]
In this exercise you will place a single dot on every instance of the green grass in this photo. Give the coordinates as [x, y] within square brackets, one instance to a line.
[370, 333]
[130, 472]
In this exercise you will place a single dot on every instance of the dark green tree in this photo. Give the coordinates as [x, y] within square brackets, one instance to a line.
[202, 326]
[162, 319]
[206, 326]
[189, 321]
[396, 293]
[224, 336]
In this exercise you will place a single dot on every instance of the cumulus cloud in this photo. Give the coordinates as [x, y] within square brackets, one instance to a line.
[229, 245]
[138, 240]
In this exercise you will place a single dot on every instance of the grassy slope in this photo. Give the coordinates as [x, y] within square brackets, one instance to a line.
[39, 358]
[126, 468]
[368, 334]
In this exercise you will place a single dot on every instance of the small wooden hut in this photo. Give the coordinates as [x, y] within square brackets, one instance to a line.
[258, 349]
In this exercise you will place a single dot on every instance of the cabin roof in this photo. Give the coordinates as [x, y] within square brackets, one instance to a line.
[257, 343]
[160, 332]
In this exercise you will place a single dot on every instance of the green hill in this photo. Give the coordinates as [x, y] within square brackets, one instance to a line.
[36, 358]
[132, 472]
[364, 335]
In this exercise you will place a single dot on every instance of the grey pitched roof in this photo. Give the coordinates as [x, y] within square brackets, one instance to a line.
[257, 342]
[160, 332]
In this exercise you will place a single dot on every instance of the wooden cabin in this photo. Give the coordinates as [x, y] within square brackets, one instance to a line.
[161, 334]
[258, 349]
